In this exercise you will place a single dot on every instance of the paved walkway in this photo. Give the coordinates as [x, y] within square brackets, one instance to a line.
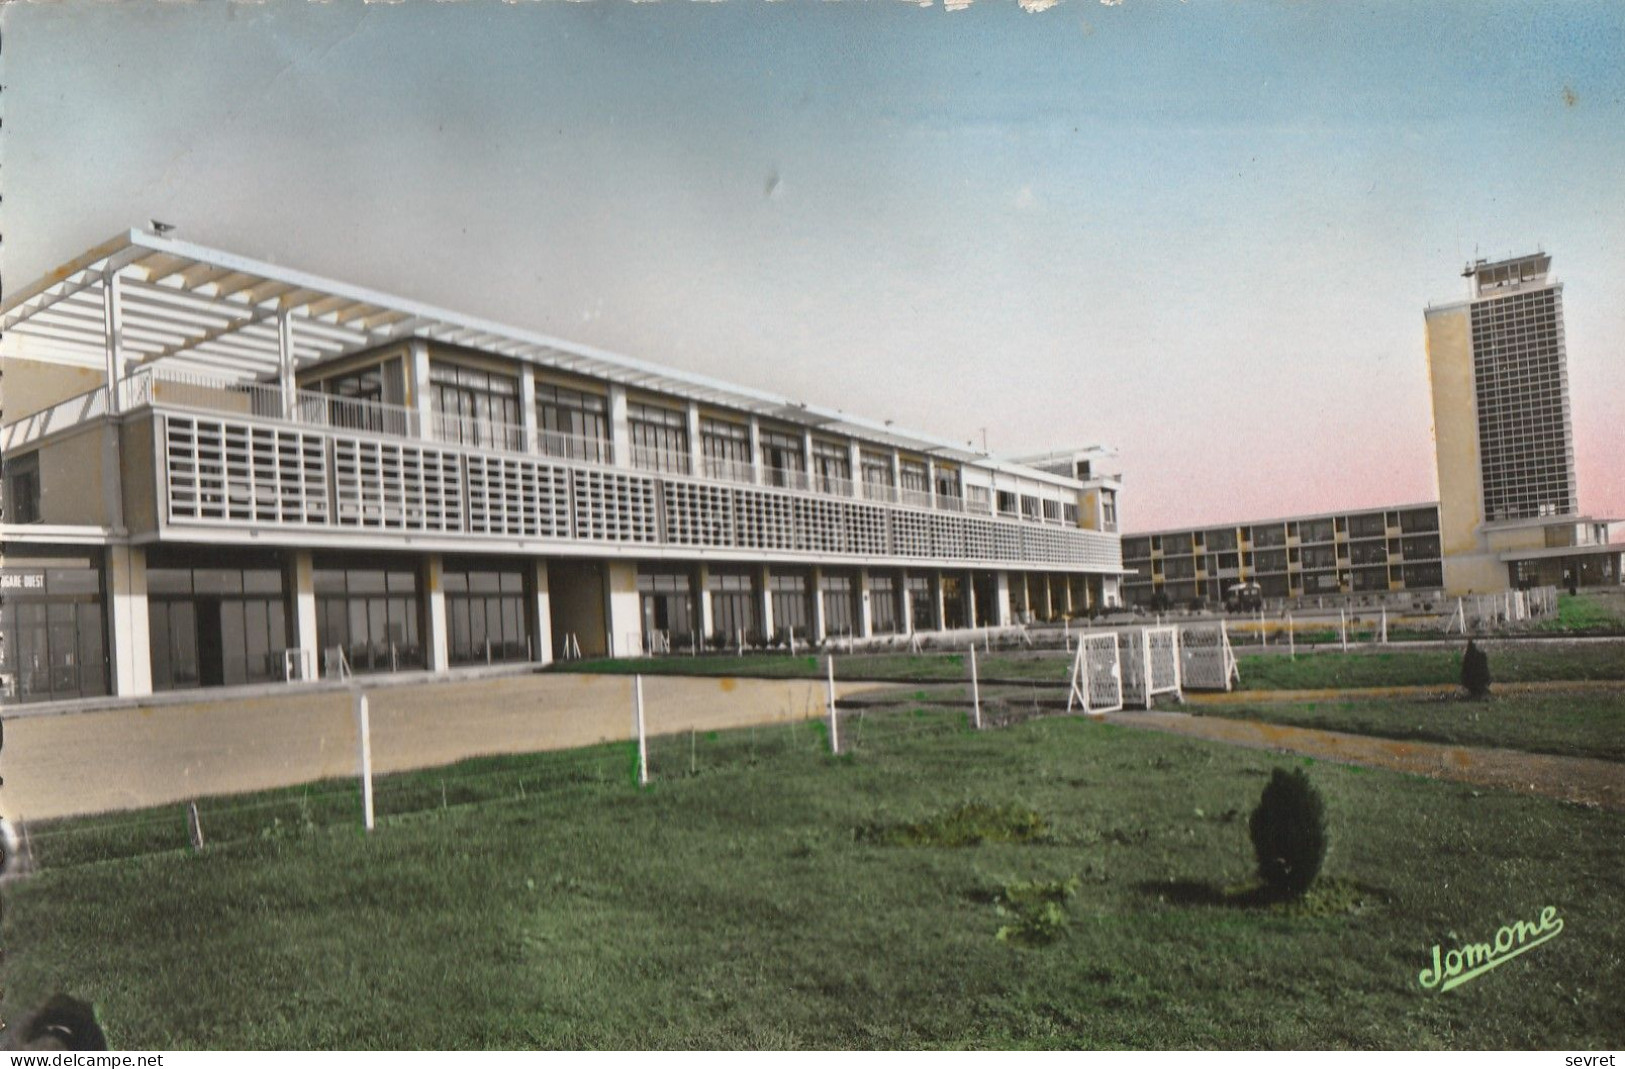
[1574, 779]
[75, 763]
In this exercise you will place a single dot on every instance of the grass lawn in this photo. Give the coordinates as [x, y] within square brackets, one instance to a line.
[1313, 669]
[1576, 724]
[788, 899]
[1586, 612]
[1528, 662]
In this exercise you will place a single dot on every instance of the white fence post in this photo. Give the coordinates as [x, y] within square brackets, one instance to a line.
[834, 724]
[1343, 627]
[1291, 639]
[643, 742]
[1385, 625]
[975, 692]
[364, 730]
[1263, 637]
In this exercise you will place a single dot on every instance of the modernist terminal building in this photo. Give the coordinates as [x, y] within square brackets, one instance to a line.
[220, 471]
[1507, 516]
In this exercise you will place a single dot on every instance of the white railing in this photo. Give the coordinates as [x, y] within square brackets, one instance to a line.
[833, 484]
[733, 471]
[179, 389]
[920, 499]
[649, 458]
[575, 447]
[788, 478]
[880, 492]
[471, 430]
[948, 503]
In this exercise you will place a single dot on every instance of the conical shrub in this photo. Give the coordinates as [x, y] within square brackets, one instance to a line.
[1475, 670]
[1289, 833]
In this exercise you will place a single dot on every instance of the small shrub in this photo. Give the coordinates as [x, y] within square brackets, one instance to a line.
[1289, 833]
[1037, 911]
[1475, 671]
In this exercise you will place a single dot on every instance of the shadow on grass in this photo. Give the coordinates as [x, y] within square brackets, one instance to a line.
[1327, 897]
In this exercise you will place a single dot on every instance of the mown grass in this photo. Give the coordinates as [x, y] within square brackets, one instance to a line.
[1510, 662]
[1597, 613]
[741, 907]
[1572, 724]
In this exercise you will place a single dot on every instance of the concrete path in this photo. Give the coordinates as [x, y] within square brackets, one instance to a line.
[1574, 779]
[129, 758]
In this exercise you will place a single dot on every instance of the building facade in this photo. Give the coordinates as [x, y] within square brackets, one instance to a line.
[1371, 551]
[1504, 444]
[218, 471]
[1508, 510]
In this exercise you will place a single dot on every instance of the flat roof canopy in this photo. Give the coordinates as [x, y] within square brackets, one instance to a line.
[201, 311]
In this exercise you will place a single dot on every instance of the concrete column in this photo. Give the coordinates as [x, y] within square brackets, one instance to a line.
[1001, 581]
[942, 604]
[1049, 598]
[113, 335]
[304, 608]
[766, 601]
[420, 396]
[807, 455]
[620, 433]
[527, 408]
[931, 488]
[756, 449]
[820, 628]
[541, 640]
[856, 461]
[438, 641]
[623, 608]
[896, 477]
[907, 607]
[286, 383]
[130, 650]
[707, 623]
[970, 599]
[866, 614]
[1068, 589]
[696, 441]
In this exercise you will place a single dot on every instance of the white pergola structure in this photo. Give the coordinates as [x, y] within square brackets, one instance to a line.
[143, 301]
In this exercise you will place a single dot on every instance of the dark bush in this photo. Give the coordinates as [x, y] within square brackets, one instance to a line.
[1289, 833]
[1475, 671]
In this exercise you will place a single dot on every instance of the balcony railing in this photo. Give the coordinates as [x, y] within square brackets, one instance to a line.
[471, 430]
[920, 499]
[880, 492]
[649, 458]
[788, 478]
[575, 447]
[733, 471]
[833, 484]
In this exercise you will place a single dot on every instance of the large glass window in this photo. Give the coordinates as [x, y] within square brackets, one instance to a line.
[52, 623]
[733, 607]
[372, 614]
[784, 459]
[216, 626]
[879, 480]
[922, 603]
[883, 613]
[476, 407]
[571, 423]
[791, 611]
[669, 616]
[659, 438]
[727, 450]
[840, 610]
[367, 399]
[485, 613]
[832, 467]
[915, 475]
